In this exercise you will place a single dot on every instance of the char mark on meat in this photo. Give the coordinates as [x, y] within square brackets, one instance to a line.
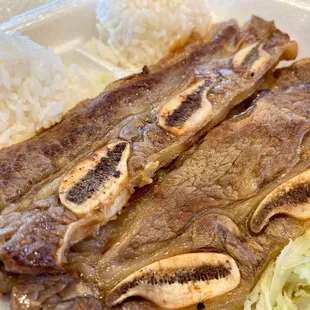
[62, 292]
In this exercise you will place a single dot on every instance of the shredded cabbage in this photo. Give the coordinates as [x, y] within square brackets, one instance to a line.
[285, 284]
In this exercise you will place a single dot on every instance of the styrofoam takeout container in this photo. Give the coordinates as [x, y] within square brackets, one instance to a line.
[67, 25]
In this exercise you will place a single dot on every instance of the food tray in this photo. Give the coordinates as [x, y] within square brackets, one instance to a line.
[67, 25]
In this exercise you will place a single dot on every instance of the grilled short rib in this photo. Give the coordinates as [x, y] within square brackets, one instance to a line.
[237, 199]
[243, 193]
[33, 170]
[297, 73]
[33, 164]
[58, 196]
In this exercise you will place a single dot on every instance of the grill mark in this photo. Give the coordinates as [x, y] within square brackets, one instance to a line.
[298, 195]
[250, 59]
[184, 275]
[187, 107]
[89, 184]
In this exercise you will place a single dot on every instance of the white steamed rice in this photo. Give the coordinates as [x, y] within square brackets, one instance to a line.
[134, 33]
[36, 88]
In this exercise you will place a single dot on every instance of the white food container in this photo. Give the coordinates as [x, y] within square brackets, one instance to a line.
[67, 25]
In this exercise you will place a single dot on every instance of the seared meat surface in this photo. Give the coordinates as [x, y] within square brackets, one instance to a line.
[199, 236]
[297, 73]
[167, 114]
[55, 293]
[31, 165]
[236, 165]
[210, 205]
[31, 172]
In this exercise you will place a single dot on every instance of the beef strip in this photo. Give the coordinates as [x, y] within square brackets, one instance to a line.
[234, 163]
[205, 205]
[297, 73]
[32, 170]
[180, 50]
[34, 237]
[55, 293]
[7, 281]
[29, 165]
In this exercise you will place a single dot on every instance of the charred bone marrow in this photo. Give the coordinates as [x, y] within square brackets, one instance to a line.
[292, 198]
[251, 59]
[187, 111]
[97, 180]
[180, 281]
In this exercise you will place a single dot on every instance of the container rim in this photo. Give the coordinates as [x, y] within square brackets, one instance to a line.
[33, 16]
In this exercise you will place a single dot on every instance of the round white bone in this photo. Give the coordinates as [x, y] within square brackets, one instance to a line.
[195, 121]
[258, 64]
[178, 282]
[104, 197]
[240, 56]
[282, 201]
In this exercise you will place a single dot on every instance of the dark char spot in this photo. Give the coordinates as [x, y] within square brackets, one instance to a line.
[117, 174]
[200, 306]
[97, 176]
